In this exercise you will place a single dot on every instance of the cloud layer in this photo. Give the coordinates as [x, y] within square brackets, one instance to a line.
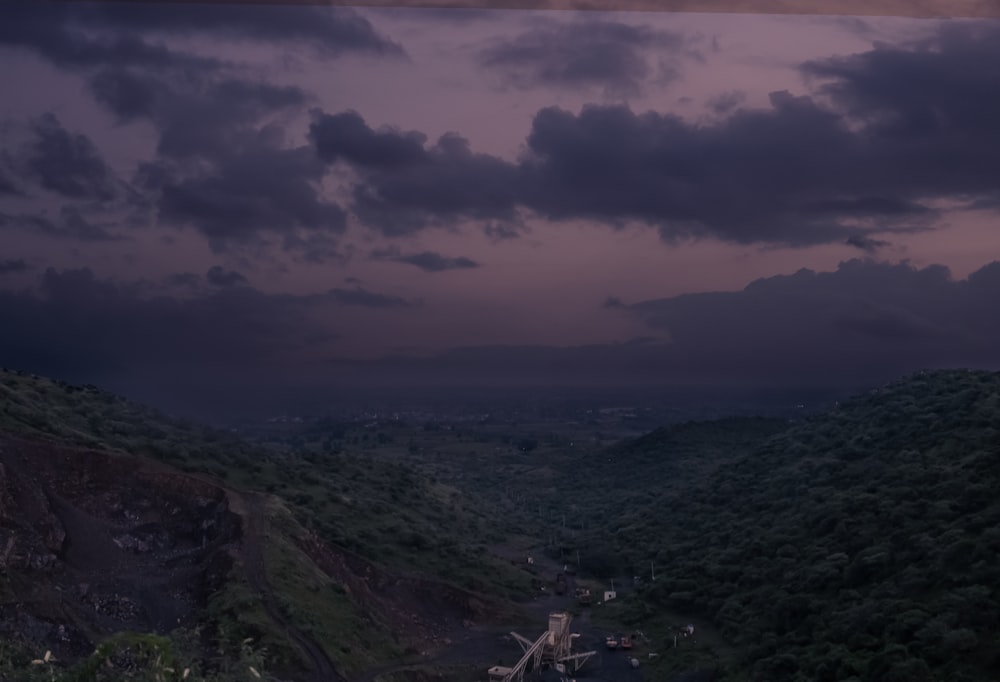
[871, 152]
[243, 141]
[862, 323]
[77, 324]
[222, 166]
[886, 136]
[615, 57]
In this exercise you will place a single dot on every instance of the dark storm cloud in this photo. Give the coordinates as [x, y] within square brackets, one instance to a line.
[83, 35]
[153, 176]
[11, 265]
[750, 178]
[58, 32]
[865, 322]
[222, 167]
[221, 164]
[80, 327]
[454, 184]
[890, 131]
[866, 317]
[330, 31]
[319, 248]
[71, 224]
[183, 279]
[862, 323]
[503, 231]
[610, 55]
[346, 136]
[756, 176]
[127, 93]
[201, 353]
[220, 277]
[929, 110]
[435, 15]
[66, 163]
[725, 102]
[218, 170]
[369, 299]
[866, 243]
[255, 189]
[74, 225]
[405, 186]
[8, 186]
[81, 323]
[196, 119]
[428, 261]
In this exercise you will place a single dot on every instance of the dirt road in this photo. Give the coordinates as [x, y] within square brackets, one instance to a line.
[253, 560]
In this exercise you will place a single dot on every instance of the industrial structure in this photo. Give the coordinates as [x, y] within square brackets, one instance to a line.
[553, 647]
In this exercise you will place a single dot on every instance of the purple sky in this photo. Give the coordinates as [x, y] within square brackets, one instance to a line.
[300, 195]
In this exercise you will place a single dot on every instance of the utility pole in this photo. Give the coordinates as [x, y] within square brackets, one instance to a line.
[652, 572]
[578, 558]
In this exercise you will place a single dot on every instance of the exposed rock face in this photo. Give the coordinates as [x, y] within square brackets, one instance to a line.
[92, 543]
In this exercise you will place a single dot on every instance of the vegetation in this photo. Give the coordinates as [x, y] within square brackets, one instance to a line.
[378, 510]
[321, 605]
[138, 657]
[861, 544]
[382, 510]
[858, 545]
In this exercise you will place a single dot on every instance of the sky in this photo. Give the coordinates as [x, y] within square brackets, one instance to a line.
[210, 197]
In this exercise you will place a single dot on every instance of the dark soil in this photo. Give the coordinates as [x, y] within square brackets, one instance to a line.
[96, 543]
[93, 543]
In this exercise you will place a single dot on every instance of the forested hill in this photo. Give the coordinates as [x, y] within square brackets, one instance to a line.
[859, 545]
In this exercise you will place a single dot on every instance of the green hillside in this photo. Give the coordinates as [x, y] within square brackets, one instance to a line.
[334, 564]
[383, 511]
[860, 545]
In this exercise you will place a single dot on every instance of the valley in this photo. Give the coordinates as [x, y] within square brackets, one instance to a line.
[857, 541]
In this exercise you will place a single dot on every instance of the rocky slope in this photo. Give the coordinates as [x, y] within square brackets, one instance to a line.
[95, 543]
[100, 540]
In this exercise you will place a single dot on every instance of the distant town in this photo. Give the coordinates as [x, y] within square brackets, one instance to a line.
[616, 412]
